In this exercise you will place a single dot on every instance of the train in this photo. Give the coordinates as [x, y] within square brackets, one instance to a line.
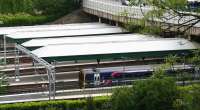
[96, 77]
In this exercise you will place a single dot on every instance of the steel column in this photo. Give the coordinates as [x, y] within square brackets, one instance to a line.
[5, 49]
[17, 72]
[49, 68]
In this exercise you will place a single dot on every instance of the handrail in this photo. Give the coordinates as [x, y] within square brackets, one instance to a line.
[132, 11]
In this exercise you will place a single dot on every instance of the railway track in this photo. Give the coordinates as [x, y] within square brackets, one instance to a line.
[22, 58]
[41, 86]
[66, 81]
[66, 94]
[66, 75]
[29, 69]
[62, 94]
[38, 83]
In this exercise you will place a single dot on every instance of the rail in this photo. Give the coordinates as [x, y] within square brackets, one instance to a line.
[133, 12]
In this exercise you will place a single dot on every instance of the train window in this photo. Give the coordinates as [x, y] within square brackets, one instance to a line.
[97, 79]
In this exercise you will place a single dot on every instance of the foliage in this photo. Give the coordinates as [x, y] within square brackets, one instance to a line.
[195, 59]
[160, 92]
[35, 6]
[54, 6]
[29, 12]
[166, 10]
[122, 99]
[138, 2]
[90, 104]
[15, 6]
[55, 105]
[23, 19]
[160, 72]
[171, 60]
[170, 4]
[189, 97]
[156, 93]
[51, 108]
[139, 26]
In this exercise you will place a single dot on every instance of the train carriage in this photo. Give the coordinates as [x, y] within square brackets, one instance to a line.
[110, 76]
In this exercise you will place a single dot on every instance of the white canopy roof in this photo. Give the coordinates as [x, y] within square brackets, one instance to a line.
[110, 48]
[9, 30]
[58, 33]
[87, 39]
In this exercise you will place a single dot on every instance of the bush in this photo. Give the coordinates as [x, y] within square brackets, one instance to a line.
[16, 6]
[55, 6]
[156, 93]
[31, 12]
[23, 19]
[140, 26]
[54, 105]
[189, 98]
[121, 99]
[51, 7]
[90, 104]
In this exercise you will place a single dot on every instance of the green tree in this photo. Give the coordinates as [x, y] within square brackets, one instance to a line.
[122, 99]
[195, 59]
[171, 60]
[157, 93]
[54, 6]
[90, 104]
[16, 6]
[195, 103]
[189, 97]
[166, 10]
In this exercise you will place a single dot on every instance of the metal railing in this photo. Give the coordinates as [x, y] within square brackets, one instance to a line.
[135, 12]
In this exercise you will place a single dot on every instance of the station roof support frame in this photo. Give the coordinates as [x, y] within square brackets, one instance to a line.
[50, 69]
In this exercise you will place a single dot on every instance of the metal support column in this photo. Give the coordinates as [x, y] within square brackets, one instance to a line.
[53, 73]
[49, 69]
[51, 78]
[17, 71]
[100, 20]
[5, 49]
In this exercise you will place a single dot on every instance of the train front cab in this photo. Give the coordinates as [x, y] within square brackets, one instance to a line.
[86, 79]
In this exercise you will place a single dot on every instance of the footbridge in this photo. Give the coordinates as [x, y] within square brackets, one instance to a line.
[113, 10]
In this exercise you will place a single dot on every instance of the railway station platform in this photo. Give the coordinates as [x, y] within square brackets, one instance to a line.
[56, 55]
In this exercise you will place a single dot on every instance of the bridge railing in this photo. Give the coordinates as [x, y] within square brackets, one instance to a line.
[114, 9]
[131, 11]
